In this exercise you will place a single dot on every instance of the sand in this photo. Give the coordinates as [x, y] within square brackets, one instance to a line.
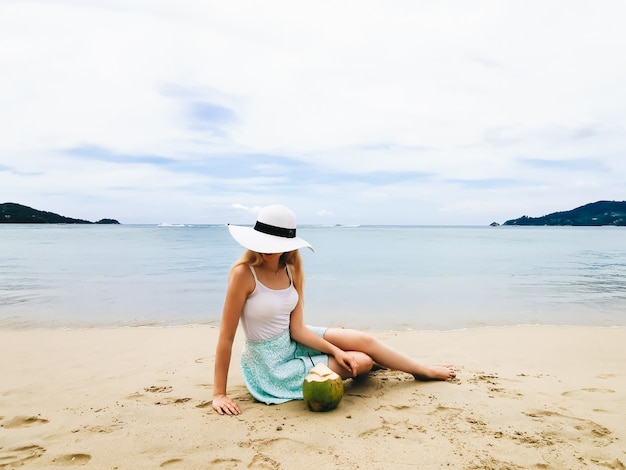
[133, 398]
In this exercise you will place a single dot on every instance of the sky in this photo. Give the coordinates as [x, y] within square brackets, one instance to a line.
[349, 112]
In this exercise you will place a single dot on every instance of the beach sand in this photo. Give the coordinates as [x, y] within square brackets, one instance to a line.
[133, 398]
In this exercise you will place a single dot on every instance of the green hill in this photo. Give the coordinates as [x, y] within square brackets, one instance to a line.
[11, 213]
[594, 214]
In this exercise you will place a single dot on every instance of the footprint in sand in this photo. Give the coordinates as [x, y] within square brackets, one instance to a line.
[172, 463]
[225, 464]
[70, 460]
[103, 429]
[172, 401]
[446, 411]
[268, 453]
[492, 383]
[584, 391]
[570, 428]
[397, 430]
[156, 389]
[606, 376]
[23, 422]
[161, 389]
[482, 377]
[261, 461]
[18, 455]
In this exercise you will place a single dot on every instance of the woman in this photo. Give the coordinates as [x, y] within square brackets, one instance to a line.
[265, 292]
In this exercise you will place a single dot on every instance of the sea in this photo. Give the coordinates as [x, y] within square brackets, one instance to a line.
[366, 277]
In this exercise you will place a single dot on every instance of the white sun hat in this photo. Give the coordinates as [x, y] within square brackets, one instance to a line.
[274, 232]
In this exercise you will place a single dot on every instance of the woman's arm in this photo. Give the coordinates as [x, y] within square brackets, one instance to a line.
[240, 285]
[301, 334]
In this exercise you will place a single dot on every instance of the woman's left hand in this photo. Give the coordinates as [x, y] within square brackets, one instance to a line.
[348, 361]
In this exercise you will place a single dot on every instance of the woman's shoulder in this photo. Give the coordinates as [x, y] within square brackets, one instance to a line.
[242, 274]
[241, 270]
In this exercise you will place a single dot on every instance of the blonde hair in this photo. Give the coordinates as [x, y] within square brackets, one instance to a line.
[289, 258]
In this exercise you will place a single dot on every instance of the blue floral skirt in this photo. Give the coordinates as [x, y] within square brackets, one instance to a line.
[274, 369]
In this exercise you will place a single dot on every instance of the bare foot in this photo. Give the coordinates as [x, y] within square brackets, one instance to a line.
[436, 373]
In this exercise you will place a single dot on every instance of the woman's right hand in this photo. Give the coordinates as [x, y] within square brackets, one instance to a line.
[225, 406]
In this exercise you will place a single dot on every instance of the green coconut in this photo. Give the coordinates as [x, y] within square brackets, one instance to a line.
[322, 388]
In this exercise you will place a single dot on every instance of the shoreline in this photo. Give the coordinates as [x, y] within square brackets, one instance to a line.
[139, 397]
[9, 324]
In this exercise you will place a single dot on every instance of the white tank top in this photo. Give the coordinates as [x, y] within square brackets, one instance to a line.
[266, 312]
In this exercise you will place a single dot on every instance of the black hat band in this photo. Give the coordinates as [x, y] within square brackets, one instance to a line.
[273, 230]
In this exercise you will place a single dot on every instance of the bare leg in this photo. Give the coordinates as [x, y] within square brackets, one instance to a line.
[354, 340]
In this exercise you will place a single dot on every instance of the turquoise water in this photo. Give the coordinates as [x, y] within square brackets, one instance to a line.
[377, 277]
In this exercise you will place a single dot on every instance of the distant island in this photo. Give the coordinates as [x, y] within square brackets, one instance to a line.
[11, 213]
[594, 214]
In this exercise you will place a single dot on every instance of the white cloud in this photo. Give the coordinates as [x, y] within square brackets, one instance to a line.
[253, 210]
[260, 102]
